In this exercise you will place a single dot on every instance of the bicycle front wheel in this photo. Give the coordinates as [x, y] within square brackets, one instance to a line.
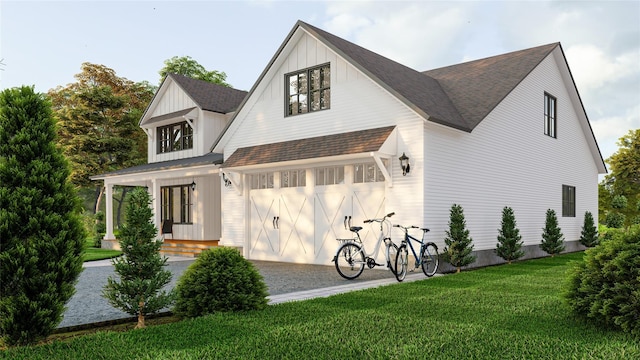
[429, 259]
[349, 261]
[402, 262]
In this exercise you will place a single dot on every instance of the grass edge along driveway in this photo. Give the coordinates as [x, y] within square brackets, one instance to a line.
[499, 312]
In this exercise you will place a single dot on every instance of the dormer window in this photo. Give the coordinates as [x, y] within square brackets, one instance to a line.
[308, 90]
[175, 137]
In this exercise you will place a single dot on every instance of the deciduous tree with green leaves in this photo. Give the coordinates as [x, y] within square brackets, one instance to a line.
[623, 180]
[41, 235]
[509, 245]
[98, 124]
[185, 65]
[459, 244]
[141, 269]
[552, 237]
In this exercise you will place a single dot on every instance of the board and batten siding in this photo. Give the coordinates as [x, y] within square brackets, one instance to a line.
[206, 202]
[508, 161]
[172, 100]
[357, 103]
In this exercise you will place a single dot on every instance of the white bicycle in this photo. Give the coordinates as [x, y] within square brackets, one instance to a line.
[351, 256]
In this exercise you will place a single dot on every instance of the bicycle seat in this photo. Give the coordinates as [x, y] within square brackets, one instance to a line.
[355, 228]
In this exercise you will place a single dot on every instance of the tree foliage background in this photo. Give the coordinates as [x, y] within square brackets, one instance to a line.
[98, 124]
[185, 65]
[41, 235]
[623, 180]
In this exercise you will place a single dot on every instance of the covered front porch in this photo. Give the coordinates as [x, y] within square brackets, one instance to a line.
[186, 202]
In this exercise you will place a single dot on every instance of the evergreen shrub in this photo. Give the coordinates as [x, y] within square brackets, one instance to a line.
[552, 237]
[605, 287]
[459, 245]
[219, 280]
[510, 243]
[589, 235]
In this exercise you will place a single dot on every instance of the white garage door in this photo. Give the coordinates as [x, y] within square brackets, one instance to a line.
[292, 225]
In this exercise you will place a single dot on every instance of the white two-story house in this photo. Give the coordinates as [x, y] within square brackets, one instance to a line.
[315, 146]
[182, 175]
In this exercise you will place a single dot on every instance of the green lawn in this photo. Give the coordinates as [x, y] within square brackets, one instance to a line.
[92, 254]
[501, 312]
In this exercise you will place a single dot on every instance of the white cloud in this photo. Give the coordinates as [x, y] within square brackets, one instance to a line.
[593, 68]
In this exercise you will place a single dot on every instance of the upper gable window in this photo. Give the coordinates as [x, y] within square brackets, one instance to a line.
[308, 90]
[175, 137]
[550, 113]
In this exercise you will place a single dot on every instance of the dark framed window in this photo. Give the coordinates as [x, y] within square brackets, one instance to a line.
[550, 116]
[568, 201]
[308, 90]
[175, 137]
[176, 203]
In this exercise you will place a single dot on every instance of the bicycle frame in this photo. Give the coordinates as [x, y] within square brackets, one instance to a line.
[382, 237]
[357, 259]
[407, 240]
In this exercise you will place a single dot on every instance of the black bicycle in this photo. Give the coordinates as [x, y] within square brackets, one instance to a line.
[427, 258]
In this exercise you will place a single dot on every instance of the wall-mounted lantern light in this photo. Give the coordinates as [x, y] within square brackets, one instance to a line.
[226, 180]
[404, 163]
[193, 186]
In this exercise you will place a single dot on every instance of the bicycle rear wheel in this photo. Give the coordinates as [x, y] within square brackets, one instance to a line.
[429, 259]
[349, 261]
[401, 262]
[392, 250]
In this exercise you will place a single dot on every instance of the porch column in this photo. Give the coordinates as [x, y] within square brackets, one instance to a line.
[108, 216]
[155, 205]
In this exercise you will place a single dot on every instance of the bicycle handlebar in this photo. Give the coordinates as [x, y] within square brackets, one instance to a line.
[379, 220]
[406, 227]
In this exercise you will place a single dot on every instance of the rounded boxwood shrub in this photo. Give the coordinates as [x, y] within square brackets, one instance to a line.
[220, 280]
[606, 286]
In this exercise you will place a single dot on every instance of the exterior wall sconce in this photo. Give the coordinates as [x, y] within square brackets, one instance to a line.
[226, 180]
[404, 163]
[193, 185]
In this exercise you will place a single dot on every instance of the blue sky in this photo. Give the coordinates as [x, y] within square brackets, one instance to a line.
[44, 43]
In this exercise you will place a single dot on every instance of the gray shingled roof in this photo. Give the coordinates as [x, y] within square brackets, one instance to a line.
[476, 87]
[459, 96]
[355, 142]
[207, 159]
[209, 96]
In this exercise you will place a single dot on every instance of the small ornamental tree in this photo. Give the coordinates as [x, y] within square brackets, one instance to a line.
[509, 245]
[41, 234]
[552, 237]
[141, 268]
[459, 245]
[589, 235]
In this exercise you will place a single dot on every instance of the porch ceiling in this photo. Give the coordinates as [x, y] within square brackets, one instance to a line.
[355, 142]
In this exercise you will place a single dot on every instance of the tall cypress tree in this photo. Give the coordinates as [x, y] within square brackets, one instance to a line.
[141, 268]
[41, 235]
[509, 240]
[458, 243]
[552, 238]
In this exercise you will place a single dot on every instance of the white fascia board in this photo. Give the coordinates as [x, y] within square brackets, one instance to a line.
[138, 178]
